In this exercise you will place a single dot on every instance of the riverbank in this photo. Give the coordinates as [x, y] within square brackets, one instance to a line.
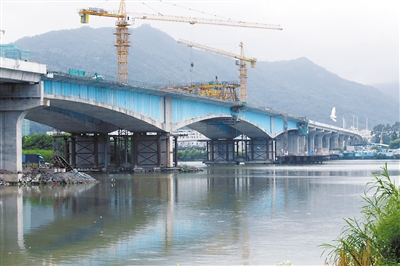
[48, 176]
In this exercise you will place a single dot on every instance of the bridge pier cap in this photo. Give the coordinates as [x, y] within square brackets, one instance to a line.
[19, 71]
[21, 90]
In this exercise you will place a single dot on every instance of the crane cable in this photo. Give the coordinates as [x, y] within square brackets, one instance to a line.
[195, 10]
[183, 7]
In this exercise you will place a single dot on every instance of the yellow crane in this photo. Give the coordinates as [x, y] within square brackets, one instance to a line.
[125, 19]
[242, 63]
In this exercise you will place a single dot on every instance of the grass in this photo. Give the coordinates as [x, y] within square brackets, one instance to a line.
[375, 238]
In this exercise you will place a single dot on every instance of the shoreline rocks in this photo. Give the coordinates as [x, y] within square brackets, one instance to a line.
[35, 176]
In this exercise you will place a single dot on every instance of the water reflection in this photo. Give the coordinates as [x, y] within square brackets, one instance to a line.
[223, 215]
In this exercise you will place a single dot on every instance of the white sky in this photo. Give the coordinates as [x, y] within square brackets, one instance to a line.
[356, 39]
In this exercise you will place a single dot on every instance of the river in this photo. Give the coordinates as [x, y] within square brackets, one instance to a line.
[223, 215]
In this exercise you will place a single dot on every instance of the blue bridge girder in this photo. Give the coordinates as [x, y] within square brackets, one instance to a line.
[93, 106]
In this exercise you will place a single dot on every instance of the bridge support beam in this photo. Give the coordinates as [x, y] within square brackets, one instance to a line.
[16, 100]
[234, 151]
[263, 150]
[127, 150]
[152, 150]
[221, 151]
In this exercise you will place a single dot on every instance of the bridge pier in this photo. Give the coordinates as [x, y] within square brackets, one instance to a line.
[334, 141]
[221, 151]
[126, 150]
[234, 151]
[15, 102]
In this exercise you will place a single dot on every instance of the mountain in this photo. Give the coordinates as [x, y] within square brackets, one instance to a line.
[298, 87]
[391, 88]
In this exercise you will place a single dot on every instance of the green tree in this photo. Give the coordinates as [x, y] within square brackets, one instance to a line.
[37, 142]
[375, 240]
[385, 133]
[192, 154]
[394, 144]
[396, 126]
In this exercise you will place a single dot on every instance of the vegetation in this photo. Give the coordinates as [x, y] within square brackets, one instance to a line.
[38, 144]
[40, 141]
[394, 144]
[192, 154]
[388, 134]
[374, 240]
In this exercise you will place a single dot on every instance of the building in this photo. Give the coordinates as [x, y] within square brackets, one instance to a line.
[191, 139]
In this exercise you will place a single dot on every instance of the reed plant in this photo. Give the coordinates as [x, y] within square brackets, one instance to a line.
[374, 239]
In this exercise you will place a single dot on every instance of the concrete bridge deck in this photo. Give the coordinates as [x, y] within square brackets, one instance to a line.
[90, 109]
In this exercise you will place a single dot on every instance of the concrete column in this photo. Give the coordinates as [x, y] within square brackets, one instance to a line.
[340, 142]
[293, 143]
[335, 141]
[318, 142]
[16, 100]
[312, 140]
[346, 140]
[303, 147]
[327, 143]
[11, 141]
[176, 151]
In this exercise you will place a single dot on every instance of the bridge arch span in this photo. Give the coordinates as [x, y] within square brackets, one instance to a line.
[89, 111]
[224, 126]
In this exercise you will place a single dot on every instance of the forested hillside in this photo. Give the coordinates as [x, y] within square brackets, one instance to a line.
[298, 87]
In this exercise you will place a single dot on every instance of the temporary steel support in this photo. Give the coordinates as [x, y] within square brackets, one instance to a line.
[123, 150]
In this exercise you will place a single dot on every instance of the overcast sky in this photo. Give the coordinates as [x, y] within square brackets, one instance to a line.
[358, 40]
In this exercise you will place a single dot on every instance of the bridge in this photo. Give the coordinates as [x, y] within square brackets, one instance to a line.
[146, 118]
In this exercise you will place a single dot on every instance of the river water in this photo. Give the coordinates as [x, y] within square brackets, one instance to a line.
[223, 215]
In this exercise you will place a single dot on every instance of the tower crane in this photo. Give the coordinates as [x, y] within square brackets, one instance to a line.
[125, 19]
[242, 63]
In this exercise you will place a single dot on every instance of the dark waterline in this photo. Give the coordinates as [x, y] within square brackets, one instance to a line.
[231, 215]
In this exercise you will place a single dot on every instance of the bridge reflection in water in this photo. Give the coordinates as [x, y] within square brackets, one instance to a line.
[225, 214]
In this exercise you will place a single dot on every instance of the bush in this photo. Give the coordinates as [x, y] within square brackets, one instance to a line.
[376, 239]
[41, 141]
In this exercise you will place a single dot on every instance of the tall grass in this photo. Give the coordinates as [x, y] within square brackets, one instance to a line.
[375, 239]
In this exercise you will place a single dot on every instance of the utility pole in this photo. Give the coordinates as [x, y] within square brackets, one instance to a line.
[353, 121]
[2, 32]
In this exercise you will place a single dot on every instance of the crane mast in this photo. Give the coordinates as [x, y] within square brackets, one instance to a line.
[242, 63]
[125, 19]
[122, 43]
